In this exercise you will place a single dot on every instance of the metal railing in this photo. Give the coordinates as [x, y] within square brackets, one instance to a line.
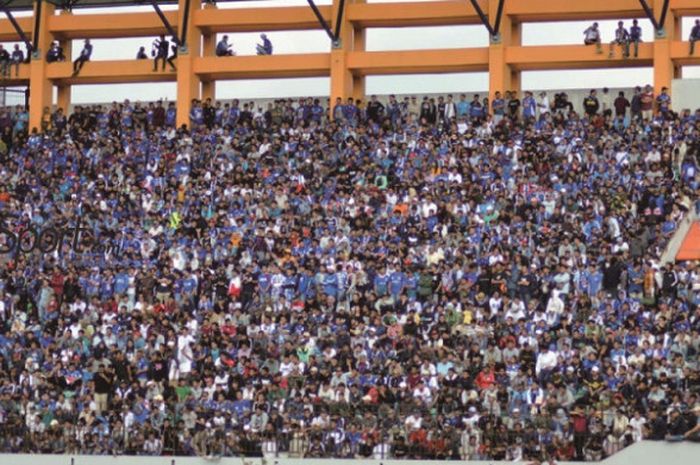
[12, 96]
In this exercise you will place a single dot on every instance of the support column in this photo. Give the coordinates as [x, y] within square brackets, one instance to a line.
[359, 44]
[41, 92]
[187, 82]
[502, 77]
[63, 94]
[208, 49]
[664, 69]
[342, 80]
[63, 97]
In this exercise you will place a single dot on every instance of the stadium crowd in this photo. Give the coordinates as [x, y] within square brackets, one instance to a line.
[450, 279]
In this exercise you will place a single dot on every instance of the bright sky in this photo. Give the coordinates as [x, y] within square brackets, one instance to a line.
[377, 39]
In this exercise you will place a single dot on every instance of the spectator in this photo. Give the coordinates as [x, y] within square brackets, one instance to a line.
[265, 48]
[141, 54]
[663, 102]
[694, 36]
[592, 36]
[647, 103]
[84, 56]
[591, 104]
[636, 105]
[4, 62]
[223, 48]
[635, 36]
[621, 105]
[693, 433]
[160, 51]
[622, 38]
[17, 58]
[55, 53]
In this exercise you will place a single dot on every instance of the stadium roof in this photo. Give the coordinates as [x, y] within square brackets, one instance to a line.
[24, 5]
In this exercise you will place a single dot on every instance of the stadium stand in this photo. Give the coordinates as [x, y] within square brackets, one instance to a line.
[391, 283]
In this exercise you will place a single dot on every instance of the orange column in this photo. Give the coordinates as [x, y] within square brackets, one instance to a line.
[502, 77]
[208, 48]
[63, 91]
[359, 43]
[664, 69]
[342, 80]
[187, 82]
[41, 92]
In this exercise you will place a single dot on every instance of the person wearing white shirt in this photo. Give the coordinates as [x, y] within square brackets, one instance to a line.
[543, 104]
[546, 362]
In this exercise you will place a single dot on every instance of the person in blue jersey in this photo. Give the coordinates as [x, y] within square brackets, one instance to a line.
[529, 106]
[381, 282]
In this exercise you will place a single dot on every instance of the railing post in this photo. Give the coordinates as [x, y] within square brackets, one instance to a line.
[41, 95]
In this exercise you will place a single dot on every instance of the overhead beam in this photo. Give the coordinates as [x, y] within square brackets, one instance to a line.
[419, 61]
[213, 20]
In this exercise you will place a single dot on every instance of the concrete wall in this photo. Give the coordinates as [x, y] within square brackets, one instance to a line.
[686, 91]
[645, 453]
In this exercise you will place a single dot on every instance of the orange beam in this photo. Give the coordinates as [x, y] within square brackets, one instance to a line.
[21, 80]
[680, 56]
[259, 19]
[8, 33]
[108, 72]
[444, 13]
[110, 25]
[419, 61]
[555, 57]
[260, 67]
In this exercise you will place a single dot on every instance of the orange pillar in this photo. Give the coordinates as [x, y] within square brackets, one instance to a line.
[41, 93]
[63, 97]
[208, 49]
[208, 46]
[502, 77]
[359, 43]
[664, 69]
[187, 82]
